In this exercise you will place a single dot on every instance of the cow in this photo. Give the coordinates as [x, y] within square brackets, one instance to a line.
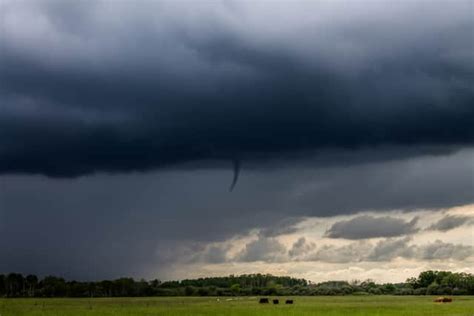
[276, 301]
[263, 300]
[443, 300]
[289, 302]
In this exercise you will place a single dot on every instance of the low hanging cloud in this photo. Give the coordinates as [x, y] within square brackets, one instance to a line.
[367, 226]
[451, 222]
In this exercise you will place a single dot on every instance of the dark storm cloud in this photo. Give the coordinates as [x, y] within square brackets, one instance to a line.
[367, 226]
[421, 183]
[450, 222]
[121, 86]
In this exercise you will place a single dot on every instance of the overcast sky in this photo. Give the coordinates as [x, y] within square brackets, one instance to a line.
[123, 123]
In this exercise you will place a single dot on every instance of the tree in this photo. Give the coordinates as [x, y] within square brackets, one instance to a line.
[53, 287]
[235, 288]
[433, 289]
[14, 285]
[188, 290]
[439, 282]
[31, 284]
[3, 289]
[426, 278]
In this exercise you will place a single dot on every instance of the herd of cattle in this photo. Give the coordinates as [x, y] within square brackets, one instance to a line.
[265, 300]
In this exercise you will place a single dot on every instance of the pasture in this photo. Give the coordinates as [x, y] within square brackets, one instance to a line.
[237, 306]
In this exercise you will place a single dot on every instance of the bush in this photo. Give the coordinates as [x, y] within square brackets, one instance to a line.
[457, 291]
[375, 291]
[433, 289]
[420, 291]
[189, 290]
[203, 291]
[404, 291]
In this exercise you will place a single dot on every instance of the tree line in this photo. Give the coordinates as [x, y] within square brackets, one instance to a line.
[427, 283]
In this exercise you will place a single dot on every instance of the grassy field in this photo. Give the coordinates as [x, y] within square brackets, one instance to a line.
[348, 305]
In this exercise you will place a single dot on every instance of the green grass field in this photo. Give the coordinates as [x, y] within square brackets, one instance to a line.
[348, 305]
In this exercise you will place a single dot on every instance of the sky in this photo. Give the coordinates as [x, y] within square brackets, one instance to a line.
[347, 126]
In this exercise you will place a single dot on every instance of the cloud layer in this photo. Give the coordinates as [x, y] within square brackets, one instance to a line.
[143, 223]
[343, 112]
[272, 250]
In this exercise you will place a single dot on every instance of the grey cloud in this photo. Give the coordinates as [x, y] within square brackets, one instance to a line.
[282, 227]
[170, 252]
[301, 247]
[450, 222]
[262, 249]
[439, 250]
[389, 249]
[367, 226]
[386, 250]
[217, 254]
[354, 252]
[404, 185]
[212, 253]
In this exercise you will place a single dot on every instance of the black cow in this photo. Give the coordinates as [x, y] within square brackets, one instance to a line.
[289, 302]
[263, 301]
[276, 302]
